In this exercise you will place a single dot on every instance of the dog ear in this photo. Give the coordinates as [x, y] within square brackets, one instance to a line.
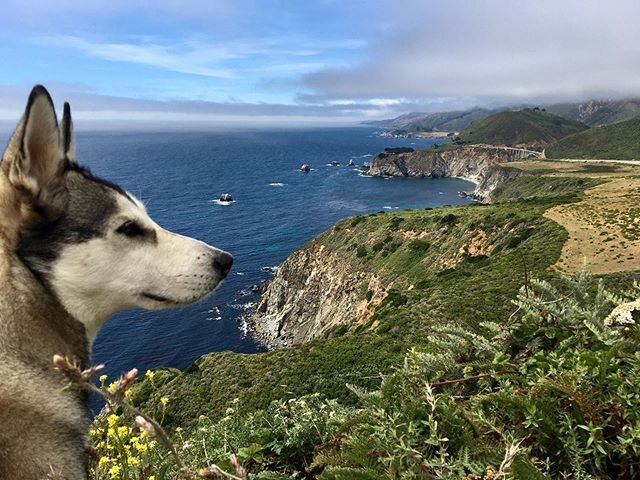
[67, 134]
[34, 160]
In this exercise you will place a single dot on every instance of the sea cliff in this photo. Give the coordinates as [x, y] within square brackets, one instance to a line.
[314, 290]
[481, 165]
[361, 275]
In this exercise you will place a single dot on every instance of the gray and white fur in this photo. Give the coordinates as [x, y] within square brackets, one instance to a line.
[74, 249]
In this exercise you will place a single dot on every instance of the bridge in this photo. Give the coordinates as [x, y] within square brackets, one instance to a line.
[521, 153]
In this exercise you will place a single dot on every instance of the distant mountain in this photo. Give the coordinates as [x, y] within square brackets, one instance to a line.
[529, 126]
[592, 113]
[598, 112]
[619, 141]
[430, 122]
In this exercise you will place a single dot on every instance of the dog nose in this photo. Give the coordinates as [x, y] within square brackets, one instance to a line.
[222, 263]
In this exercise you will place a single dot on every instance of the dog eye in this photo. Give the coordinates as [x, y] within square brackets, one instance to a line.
[131, 229]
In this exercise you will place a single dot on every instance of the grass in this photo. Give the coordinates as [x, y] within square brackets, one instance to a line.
[520, 127]
[619, 141]
[553, 189]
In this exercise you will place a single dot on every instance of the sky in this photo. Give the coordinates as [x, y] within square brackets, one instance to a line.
[311, 63]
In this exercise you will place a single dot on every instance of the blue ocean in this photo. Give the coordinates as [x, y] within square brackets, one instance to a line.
[277, 209]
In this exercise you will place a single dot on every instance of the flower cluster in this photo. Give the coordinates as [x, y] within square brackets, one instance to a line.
[121, 452]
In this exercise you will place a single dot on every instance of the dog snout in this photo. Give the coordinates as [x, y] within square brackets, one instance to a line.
[222, 263]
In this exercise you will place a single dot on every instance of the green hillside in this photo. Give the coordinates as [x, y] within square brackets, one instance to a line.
[619, 141]
[528, 126]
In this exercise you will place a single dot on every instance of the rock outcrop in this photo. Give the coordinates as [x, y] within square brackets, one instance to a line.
[479, 164]
[314, 290]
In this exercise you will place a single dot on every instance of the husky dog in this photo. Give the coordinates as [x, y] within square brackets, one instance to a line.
[73, 250]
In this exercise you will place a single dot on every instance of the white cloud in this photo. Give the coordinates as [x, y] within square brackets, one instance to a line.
[497, 49]
[196, 56]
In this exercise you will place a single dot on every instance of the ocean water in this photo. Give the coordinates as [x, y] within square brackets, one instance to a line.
[277, 209]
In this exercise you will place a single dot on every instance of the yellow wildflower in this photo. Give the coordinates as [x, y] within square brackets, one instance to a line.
[111, 432]
[152, 477]
[124, 431]
[103, 462]
[128, 394]
[150, 374]
[103, 378]
[112, 420]
[114, 471]
[133, 461]
[164, 401]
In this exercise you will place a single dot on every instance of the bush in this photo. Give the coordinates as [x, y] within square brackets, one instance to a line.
[550, 392]
[419, 246]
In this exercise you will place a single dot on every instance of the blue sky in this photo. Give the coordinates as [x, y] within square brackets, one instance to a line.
[312, 62]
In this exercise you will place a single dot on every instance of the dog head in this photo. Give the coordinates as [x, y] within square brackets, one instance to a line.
[92, 244]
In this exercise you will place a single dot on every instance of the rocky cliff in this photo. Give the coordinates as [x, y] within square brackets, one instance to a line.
[478, 164]
[315, 289]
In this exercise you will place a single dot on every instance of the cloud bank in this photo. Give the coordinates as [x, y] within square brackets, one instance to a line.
[316, 62]
[498, 50]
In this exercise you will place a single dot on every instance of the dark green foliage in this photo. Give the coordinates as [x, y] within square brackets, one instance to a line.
[550, 392]
[209, 386]
[448, 219]
[395, 222]
[377, 246]
[617, 141]
[361, 251]
[356, 220]
[395, 150]
[419, 246]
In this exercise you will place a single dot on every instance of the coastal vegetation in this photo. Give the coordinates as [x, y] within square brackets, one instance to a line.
[550, 391]
[529, 126]
[619, 141]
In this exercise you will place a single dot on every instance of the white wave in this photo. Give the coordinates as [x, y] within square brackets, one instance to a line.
[388, 207]
[223, 203]
[277, 184]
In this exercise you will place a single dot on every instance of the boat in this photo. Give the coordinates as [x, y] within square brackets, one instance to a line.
[226, 197]
[352, 163]
[305, 168]
[335, 163]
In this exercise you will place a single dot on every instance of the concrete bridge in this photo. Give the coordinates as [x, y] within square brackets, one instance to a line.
[521, 153]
